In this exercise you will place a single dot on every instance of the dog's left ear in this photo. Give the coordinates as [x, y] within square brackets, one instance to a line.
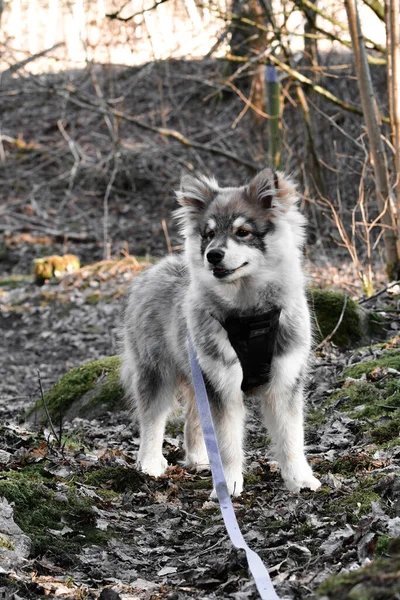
[272, 190]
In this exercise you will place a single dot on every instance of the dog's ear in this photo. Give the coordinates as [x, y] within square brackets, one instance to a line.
[272, 190]
[196, 193]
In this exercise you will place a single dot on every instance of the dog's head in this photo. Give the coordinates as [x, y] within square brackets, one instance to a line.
[234, 232]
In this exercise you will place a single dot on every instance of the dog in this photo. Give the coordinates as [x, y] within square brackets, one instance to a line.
[242, 260]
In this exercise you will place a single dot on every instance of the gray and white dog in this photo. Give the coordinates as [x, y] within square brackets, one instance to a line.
[243, 257]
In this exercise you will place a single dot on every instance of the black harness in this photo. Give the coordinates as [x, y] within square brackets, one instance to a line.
[254, 340]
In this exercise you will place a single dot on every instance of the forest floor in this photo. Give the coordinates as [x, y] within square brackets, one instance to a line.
[94, 522]
[78, 519]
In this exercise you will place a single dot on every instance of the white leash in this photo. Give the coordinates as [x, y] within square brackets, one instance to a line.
[256, 566]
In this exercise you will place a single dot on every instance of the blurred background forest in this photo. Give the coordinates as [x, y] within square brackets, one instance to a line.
[105, 103]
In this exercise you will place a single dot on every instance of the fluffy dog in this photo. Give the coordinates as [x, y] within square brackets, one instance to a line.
[242, 259]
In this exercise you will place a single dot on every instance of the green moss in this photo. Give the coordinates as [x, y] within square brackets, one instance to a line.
[349, 464]
[360, 393]
[37, 511]
[387, 432]
[14, 281]
[390, 359]
[118, 479]
[6, 543]
[374, 405]
[382, 545]
[378, 581]
[93, 298]
[358, 503]
[327, 307]
[315, 417]
[83, 389]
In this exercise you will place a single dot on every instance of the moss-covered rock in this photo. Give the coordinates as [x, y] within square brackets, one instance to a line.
[356, 324]
[41, 513]
[89, 390]
[378, 581]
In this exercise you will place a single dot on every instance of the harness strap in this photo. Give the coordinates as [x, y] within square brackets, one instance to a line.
[254, 340]
[256, 566]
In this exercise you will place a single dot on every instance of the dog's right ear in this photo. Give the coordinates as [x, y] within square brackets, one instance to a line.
[196, 193]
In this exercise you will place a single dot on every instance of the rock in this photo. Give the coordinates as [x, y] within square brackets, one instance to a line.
[378, 580]
[109, 594]
[357, 324]
[14, 544]
[89, 391]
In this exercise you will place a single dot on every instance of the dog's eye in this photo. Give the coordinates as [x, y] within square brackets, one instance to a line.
[242, 233]
[209, 235]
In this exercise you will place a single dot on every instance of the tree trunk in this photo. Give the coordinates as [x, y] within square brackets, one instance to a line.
[394, 94]
[377, 152]
[248, 39]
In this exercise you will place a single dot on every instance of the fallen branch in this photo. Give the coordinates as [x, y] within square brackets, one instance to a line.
[54, 233]
[22, 63]
[379, 292]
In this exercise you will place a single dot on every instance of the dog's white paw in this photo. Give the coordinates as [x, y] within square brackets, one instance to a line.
[234, 484]
[197, 462]
[299, 477]
[154, 466]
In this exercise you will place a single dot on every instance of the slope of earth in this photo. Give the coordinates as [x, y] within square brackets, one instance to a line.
[76, 180]
[94, 522]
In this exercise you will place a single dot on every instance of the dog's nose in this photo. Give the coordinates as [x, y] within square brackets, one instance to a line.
[215, 256]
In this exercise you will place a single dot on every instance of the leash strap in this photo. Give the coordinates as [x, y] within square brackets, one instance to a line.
[256, 566]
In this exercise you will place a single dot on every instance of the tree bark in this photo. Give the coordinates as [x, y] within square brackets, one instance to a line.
[394, 94]
[377, 152]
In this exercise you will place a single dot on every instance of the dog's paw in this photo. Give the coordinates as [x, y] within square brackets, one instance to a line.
[234, 484]
[196, 462]
[295, 485]
[154, 466]
[301, 477]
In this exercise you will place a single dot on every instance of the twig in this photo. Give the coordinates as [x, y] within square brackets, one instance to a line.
[332, 333]
[19, 65]
[165, 230]
[77, 159]
[379, 292]
[172, 133]
[47, 410]
[106, 248]
[55, 233]
[305, 80]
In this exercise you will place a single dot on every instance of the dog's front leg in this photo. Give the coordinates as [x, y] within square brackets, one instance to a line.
[283, 412]
[229, 416]
[226, 402]
[196, 451]
[223, 377]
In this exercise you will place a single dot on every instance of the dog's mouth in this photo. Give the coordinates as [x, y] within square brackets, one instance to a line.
[220, 272]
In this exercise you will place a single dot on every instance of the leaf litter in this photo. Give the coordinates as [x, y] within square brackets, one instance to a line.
[120, 531]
